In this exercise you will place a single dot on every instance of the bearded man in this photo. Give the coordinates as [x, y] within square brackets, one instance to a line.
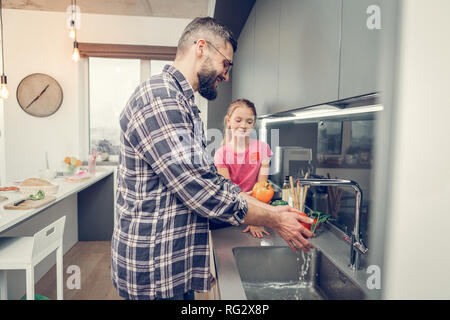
[168, 190]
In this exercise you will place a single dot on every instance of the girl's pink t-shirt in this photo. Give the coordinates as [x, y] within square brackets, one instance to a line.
[243, 166]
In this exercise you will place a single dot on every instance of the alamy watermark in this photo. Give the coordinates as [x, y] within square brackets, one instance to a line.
[374, 280]
[73, 13]
[373, 21]
[74, 280]
[190, 148]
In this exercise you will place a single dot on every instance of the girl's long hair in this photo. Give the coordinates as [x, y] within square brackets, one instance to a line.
[227, 135]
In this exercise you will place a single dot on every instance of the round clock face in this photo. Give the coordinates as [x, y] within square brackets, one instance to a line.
[39, 95]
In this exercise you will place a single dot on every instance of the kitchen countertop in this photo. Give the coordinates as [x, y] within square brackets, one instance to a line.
[230, 286]
[11, 218]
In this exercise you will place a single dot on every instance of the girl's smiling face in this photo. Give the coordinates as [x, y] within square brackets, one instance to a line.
[241, 121]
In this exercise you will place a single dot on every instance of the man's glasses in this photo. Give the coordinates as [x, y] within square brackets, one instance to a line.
[228, 64]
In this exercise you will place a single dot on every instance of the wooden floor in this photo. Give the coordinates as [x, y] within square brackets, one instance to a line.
[94, 260]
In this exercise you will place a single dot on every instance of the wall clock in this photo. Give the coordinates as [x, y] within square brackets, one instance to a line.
[39, 95]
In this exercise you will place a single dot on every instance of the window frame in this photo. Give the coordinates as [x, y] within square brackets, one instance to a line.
[120, 51]
[125, 51]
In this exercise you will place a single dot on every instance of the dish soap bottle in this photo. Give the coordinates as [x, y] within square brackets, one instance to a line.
[286, 190]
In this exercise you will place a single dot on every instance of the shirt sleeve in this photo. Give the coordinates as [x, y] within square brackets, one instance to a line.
[219, 159]
[162, 134]
[266, 152]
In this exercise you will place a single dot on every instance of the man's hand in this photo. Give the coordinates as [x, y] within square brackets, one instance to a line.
[291, 230]
[257, 232]
[284, 220]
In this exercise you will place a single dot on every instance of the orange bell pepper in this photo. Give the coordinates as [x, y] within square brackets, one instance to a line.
[263, 191]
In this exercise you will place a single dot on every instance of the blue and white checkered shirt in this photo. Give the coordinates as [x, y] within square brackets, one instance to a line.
[168, 187]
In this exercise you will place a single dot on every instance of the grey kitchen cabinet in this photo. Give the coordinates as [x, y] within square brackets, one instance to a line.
[360, 47]
[309, 47]
[297, 53]
[243, 77]
[267, 27]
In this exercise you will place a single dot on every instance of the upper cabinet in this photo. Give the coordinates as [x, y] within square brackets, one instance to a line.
[360, 49]
[309, 53]
[267, 26]
[296, 53]
[243, 76]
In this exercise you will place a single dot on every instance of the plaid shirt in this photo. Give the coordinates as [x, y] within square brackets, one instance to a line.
[168, 188]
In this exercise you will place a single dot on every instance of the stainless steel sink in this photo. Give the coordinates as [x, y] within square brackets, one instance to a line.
[278, 273]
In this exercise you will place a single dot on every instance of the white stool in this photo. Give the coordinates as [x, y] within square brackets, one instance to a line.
[26, 252]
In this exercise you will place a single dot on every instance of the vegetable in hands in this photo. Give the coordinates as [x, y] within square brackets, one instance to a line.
[318, 217]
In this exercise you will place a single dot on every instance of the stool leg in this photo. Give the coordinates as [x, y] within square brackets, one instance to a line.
[3, 285]
[59, 273]
[30, 282]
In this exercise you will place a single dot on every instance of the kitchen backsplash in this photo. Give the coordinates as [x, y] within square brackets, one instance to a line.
[341, 149]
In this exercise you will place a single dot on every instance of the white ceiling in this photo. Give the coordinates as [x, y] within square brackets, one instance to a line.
[153, 8]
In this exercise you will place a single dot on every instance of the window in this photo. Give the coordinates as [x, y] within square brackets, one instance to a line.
[156, 66]
[113, 73]
[111, 83]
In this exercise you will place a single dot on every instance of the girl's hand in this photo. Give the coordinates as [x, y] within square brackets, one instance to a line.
[257, 232]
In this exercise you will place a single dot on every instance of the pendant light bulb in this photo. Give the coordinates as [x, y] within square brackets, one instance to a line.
[4, 92]
[76, 52]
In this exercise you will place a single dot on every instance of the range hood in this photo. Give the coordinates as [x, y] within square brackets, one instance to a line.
[361, 107]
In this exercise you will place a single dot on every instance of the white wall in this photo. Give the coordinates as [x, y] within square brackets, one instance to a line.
[2, 145]
[37, 41]
[417, 251]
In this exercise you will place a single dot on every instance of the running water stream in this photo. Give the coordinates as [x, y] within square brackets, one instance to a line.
[304, 268]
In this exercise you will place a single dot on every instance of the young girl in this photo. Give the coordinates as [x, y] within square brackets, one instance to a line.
[241, 159]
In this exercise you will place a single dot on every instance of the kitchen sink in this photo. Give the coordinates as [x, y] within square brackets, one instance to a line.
[278, 273]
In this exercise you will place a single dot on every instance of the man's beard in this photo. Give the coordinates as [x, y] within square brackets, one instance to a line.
[207, 80]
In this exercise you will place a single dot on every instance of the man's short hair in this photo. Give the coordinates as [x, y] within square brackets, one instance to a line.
[204, 27]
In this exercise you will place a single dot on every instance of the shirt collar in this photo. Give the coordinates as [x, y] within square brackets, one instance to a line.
[182, 82]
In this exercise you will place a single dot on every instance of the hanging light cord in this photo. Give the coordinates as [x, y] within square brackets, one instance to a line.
[1, 26]
[73, 18]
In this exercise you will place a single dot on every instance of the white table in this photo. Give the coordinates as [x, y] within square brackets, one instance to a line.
[88, 207]
[11, 218]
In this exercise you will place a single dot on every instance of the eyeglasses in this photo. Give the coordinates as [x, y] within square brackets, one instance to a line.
[228, 65]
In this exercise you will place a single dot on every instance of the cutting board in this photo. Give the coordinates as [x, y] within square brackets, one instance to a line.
[29, 204]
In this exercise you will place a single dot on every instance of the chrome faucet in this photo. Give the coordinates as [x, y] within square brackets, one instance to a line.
[357, 247]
